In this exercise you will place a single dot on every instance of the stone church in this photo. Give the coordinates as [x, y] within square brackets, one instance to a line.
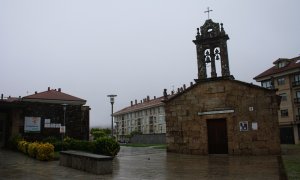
[218, 114]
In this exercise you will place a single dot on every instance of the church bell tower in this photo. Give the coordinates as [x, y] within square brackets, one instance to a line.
[211, 45]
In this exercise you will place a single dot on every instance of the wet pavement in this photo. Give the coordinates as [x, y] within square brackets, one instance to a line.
[147, 163]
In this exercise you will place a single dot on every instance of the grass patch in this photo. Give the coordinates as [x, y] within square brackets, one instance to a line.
[161, 146]
[291, 160]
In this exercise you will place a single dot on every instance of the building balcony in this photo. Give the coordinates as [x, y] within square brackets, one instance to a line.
[296, 83]
[297, 100]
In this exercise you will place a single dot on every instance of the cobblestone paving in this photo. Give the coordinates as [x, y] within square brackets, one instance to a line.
[147, 163]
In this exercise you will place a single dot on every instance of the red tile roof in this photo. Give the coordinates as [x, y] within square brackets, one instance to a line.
[139, 106]
[293, 63]
[54, 95]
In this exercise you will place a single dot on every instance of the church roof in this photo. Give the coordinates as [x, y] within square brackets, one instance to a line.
[199, 82]
[292, 64]
[54, 96]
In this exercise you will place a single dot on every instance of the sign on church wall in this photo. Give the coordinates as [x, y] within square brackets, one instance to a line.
[244, 126]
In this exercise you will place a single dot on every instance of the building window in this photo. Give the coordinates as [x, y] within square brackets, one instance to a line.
[151, 120]
[281, 64]
[297, 99]
[281, 81]
[297, 94]
[266, 84]
[284, 113]
[296, 80]
[283, 97]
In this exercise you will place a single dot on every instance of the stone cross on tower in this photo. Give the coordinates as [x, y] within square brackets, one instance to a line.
[208, 10]
[211, 44]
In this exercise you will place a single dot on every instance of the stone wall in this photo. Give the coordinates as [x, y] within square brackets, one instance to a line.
[149, 139]
[187, 131]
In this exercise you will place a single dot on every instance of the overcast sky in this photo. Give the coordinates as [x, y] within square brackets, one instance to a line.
[133, 48]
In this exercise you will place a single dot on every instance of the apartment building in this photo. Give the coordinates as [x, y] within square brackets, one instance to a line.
[146, 117]
[284, 76]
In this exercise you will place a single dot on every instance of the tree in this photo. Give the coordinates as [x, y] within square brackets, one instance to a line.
[99, 133]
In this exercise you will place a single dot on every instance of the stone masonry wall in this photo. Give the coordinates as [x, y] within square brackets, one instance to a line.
[187, 131]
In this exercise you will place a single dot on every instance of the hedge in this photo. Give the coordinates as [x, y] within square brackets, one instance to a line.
[32, 149]
[40, 151]
[105, 146]
[45, 152]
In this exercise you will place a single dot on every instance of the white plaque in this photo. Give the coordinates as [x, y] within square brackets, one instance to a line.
[254, 126]
[47, 121]
[62, 129]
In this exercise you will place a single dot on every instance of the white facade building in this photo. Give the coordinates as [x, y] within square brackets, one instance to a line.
[146, 117]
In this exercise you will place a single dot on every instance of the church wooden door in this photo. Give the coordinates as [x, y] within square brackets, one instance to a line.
[217, 136]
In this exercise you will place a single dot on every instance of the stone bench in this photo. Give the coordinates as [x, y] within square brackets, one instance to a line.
[93, 163]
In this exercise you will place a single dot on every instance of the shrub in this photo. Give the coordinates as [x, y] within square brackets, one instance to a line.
[45, 152]
[81, 145]
[98, 134]
[32, 149]
[55, 141]
[68, 143]
[22, 146]
[57, 146]
[106, 146]
[13, 141]
[51, 139]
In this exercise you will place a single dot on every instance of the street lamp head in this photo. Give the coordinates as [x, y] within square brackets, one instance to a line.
[112, 98]
[64, 106]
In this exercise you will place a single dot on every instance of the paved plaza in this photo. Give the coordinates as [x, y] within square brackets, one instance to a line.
[147, 163]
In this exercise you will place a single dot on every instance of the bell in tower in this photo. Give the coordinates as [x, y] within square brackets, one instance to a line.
[211, 45]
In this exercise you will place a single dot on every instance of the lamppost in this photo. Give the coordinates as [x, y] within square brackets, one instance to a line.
[112, 100]
[63, 128]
